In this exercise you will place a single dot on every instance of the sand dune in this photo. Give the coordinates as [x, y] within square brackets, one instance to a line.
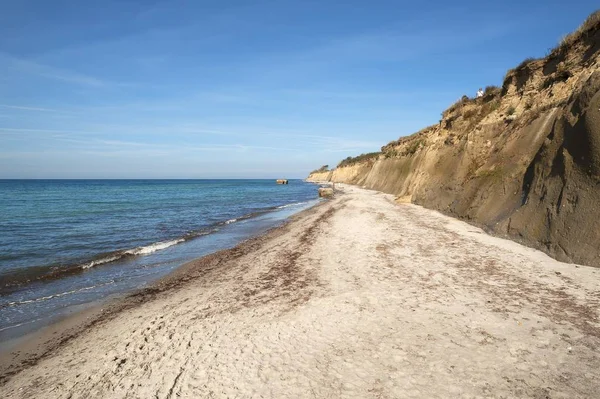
[359, 297]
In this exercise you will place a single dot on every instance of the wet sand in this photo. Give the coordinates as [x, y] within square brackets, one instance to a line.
[358, 297]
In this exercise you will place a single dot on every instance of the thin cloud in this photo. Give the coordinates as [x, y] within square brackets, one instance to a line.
[177, 147]
[21, 130]
[29, 108]
[53, 73]
[299, 140]
[50, 72]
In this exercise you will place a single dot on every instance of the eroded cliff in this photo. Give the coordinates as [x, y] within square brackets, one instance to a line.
[523, 160]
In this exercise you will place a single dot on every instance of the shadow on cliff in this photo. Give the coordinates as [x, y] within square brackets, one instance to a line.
[523, 161]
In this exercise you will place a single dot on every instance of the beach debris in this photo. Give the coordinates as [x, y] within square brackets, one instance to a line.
[326, 192]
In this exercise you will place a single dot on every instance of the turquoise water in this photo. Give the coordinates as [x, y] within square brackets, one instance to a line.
[67, 243]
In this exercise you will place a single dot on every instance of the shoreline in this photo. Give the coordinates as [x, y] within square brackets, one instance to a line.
[33, 347]
[105, 238]
[356, 297]
[20, 278]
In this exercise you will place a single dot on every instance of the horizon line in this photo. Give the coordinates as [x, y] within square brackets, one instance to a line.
[146, 178]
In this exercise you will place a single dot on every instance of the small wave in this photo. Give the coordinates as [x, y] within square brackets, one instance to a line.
[195, 234]
[11, 281]
[45, 298]
[154, 247]
[21, 324]
[45, 273]
[145, 250]
[101, 261]
[292, 204]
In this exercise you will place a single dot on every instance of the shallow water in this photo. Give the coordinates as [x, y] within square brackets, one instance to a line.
[65, 244]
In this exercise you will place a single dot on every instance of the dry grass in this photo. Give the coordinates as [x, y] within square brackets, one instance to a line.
[590, 24]
[492, 91]
[519, 67]
[468, 114]
[524, 63]
[391, 154]
[475, 115]
[456, 105]
[371, 156]
[414, 146]
[488, 108]
[402, 140]
[324, 168]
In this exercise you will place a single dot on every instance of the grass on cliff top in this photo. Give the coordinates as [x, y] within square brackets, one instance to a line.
[492, 91]
[524, 63]
[362, 157]
[588, 27]
[491, 99]
[324, 168]
[592, 23]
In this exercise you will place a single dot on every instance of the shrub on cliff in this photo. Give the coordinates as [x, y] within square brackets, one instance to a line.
[468, 114]
[392, 153]
[455, 106]
[324, 168]
[361, 158]
[492, 91]
[414, 146]
[524, 63]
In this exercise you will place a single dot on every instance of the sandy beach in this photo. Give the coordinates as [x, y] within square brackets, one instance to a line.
[359, 297]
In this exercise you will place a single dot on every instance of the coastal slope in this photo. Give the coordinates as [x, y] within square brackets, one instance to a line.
[522, 161]
[358, 297]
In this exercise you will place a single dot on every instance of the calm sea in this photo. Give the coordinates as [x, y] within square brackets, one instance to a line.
[65, 244]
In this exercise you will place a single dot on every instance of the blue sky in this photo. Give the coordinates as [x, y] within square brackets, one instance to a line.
[227, 89]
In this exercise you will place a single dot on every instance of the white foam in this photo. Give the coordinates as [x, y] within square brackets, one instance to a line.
[21, 324]
[101, 261]
[153, 247]
[157, 246]
[161, 245]
[45, 298]
[293, 204]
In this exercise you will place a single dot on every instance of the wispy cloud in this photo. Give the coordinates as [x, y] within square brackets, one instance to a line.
[46, 71]
[43, 131]
[174, 147]
[34, 109]
[35, 68]
[388, 45]
[166, 139]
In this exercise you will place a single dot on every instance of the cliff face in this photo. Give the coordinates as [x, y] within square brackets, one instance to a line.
[524, 160]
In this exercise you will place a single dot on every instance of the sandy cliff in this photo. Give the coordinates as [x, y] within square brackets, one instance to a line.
[524, 160]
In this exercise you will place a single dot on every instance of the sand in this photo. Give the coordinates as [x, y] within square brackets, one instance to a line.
[359, 297]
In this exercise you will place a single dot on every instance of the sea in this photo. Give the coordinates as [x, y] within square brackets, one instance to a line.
[69, 244]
